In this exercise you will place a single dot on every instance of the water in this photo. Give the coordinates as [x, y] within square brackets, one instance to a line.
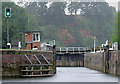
[71, 74]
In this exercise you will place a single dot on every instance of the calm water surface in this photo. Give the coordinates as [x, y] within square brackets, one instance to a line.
[71, 74]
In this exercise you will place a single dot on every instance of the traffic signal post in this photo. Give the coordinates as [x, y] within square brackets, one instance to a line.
[7, 12]
[7, 15]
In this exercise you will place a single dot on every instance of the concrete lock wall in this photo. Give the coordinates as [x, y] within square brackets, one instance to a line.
[97, 61]
[13, 59]
[114, 63]
[69, 59]
[94, 61]
[118, 64]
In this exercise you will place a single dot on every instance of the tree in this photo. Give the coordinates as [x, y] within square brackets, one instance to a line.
[116, 34]
[95, 19]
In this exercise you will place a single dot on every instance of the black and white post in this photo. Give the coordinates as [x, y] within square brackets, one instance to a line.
[7, 15]
[94, 43]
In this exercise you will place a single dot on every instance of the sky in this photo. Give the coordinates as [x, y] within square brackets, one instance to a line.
[111, 3]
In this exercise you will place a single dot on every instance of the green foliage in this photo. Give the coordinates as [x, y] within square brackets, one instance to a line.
[0, 23]
[116, 34]
[96, 19]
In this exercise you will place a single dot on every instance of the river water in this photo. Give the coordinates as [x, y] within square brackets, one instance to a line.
[70, 74]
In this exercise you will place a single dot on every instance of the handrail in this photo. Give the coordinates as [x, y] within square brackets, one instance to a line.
[71, 49]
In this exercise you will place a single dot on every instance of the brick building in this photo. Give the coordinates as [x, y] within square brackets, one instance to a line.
[32, 40]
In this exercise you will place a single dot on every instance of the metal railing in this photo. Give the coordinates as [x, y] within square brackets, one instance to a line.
[71, 49]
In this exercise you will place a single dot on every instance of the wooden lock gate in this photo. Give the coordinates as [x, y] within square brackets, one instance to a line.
[37, 70]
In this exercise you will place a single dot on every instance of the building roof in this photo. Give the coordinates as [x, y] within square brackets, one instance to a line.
[30, 31]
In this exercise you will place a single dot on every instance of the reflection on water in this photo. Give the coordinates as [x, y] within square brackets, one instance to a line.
[71, 74]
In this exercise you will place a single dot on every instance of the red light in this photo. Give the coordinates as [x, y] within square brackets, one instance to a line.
[8, 9]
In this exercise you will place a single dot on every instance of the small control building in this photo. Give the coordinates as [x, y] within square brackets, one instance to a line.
[32, 40]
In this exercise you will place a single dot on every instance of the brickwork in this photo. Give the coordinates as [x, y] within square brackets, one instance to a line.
[37, 44]
[28, 38]
[13, 59]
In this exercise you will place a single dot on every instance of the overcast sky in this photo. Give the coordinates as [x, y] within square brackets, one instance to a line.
[111, 3]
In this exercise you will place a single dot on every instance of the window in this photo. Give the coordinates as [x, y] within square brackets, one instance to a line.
[33, 37]
[25, 44]
[36, 37]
